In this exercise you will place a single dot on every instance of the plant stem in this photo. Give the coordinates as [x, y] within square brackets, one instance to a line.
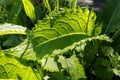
[57, 5]
[70, 3]
[46, 2]
[74, 3]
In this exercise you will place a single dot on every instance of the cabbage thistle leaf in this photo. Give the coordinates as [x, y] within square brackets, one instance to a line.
[62, 29]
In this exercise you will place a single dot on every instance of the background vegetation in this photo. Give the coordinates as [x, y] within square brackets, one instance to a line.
[58, 40]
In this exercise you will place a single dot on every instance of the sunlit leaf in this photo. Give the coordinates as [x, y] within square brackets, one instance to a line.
[29, 9]
[10, 68]
[8, 28]
[61, 30]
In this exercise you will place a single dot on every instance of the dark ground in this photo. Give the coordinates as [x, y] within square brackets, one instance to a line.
[96, 5]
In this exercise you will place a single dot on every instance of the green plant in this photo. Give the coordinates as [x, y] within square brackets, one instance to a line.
[65, 45]
[111, 22]
[3, 14]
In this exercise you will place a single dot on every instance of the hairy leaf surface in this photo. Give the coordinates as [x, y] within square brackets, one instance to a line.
[62, 29]
[85, 51]
[24, 51]
[75, 69]
[10, 68]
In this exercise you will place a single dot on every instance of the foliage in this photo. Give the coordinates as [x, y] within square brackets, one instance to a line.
[3, 14]
[13, 8]
[112, 23]
[11, 29]
[65, 45]
[29, 9]
[9, 39]
[10, 68]
[63, 27]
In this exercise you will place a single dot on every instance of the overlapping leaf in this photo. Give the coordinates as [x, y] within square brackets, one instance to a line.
[23, 51]
[13, 9]
[111, 19]
[112, 22]
[10, 68]
[11, 29]
[75, 69]
[62, 29]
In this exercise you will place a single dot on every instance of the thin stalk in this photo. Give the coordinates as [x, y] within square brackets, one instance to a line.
[57, 5]
[70, 3]
[74, 4]
[46, 2]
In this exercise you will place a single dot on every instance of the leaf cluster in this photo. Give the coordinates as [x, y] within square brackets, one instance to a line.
[66, 45]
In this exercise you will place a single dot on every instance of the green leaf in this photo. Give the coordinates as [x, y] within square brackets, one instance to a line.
[8, 28]
[112, 20]
[49, 64]
[45, 49]
[1, 52]
[110, 7]
[102, 68]
[3, 14]
[12, 40]
[115, 61]
[73, 4]
[13, 8]
[59, 59]
[98, 29]
[29, 9]
[116, 45]
[46, 2]
[61, 30]
[71, 65]
[10, 68]
[86, 48]
[75, 69]
[11, 34]
[58, 76]
[24, 51]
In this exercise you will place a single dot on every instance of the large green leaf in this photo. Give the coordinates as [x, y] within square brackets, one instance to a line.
[66, 59]
[7, 28]
[110, 7]
[71, 65]
[111, 21]
[87, 48]
[62, 29]
[10, 68]
[11, 35]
